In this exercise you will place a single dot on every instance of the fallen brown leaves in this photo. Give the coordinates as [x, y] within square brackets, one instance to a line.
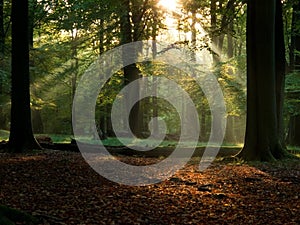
[60, 188]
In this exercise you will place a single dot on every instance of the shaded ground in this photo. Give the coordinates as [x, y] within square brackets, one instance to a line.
[60, 188]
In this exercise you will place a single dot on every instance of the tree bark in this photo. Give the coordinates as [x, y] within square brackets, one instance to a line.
[2, 52]
[194, 35]
[230, 49]
[213, 24]
[230, 127]
[203, 129]
[37, 121]
[131, 72]
[154, 86]
[280, 70]
[103, 116]
[293, 137]
[21, 135]
[261, 139]
[31, 15]
[2, 32]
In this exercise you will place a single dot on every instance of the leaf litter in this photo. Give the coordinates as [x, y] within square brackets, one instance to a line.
[61, 188]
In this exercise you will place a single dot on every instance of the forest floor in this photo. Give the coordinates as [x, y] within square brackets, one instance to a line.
[59, 187]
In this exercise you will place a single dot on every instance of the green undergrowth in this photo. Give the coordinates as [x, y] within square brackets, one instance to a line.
[115, 142]
[294, 150]
[4, 135]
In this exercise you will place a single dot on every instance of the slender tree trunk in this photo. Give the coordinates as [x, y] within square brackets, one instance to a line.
[191, 120]
[103, 124]
[213, 22]
[230, 134]
[37, 121]
[230, 49]
[154, 87]
[103, 115]
[203, 125]
[239, 42]
[221, 42]
[2, 52]
[109, 128]
[261, 139]
[21, 136]
[194, 35]
[293, 137]
[2, 32]
[74, 64]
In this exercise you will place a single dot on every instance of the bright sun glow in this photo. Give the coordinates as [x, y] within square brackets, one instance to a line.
[170, 5]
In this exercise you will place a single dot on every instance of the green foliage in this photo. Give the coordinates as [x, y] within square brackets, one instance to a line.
[4, 134]
[69, 35]
[232, 78]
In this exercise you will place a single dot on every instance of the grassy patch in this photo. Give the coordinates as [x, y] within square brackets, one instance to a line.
[112, 141]
[4, 135]
[294, 150]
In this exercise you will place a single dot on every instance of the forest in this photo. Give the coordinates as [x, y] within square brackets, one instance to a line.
[149, 112]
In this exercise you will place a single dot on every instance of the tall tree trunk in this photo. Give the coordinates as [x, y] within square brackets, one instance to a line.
[2, 52]
[194, 35]
[230, 134]
[220, 43]
[74, 65]
[2, 32]
[293, 137]
[154, 87]
[31, 15]
[230, 50]
[295, 38]
[261, 139]
[103, 116]
[37, 121]
[191, 120]
[21, 136]
[131, 72]
[213, 24]
[203, 126]
[280, 70]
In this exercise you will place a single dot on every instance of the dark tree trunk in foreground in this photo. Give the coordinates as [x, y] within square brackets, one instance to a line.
[262, 140]
[21, 136]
